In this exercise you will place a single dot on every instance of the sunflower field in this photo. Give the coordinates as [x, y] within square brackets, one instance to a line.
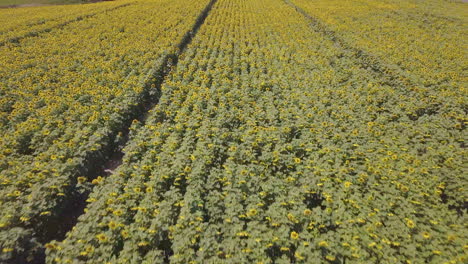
[240, 131]
[65, 95]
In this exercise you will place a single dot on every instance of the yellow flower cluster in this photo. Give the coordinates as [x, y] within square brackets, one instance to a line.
[68, 82]
[22, 22]
[424, 39]
[274, 139]
[272, 142]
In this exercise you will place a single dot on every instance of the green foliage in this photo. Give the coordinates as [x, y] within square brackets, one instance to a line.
[70, 90]
[277, 138]
[37, 2]
[271, 143]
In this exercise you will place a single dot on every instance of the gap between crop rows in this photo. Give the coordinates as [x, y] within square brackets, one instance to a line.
[393, 75]
[61, 25]
[112, 155]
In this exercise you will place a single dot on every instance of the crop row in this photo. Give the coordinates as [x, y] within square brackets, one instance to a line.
[271, 144]
[32, 21]
[66, 94]
[418, 45]
[424, 39]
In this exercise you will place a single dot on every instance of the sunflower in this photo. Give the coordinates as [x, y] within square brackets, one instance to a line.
[294, 235]
[101, 237]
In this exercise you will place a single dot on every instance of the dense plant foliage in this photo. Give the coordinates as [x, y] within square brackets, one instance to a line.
[424, 38]
[65, 95]
[272, 144]
[30, 21]
[295, 131]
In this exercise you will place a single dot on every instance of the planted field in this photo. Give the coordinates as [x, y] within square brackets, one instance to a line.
[234, 131]
[29, 3]
[32, 21]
